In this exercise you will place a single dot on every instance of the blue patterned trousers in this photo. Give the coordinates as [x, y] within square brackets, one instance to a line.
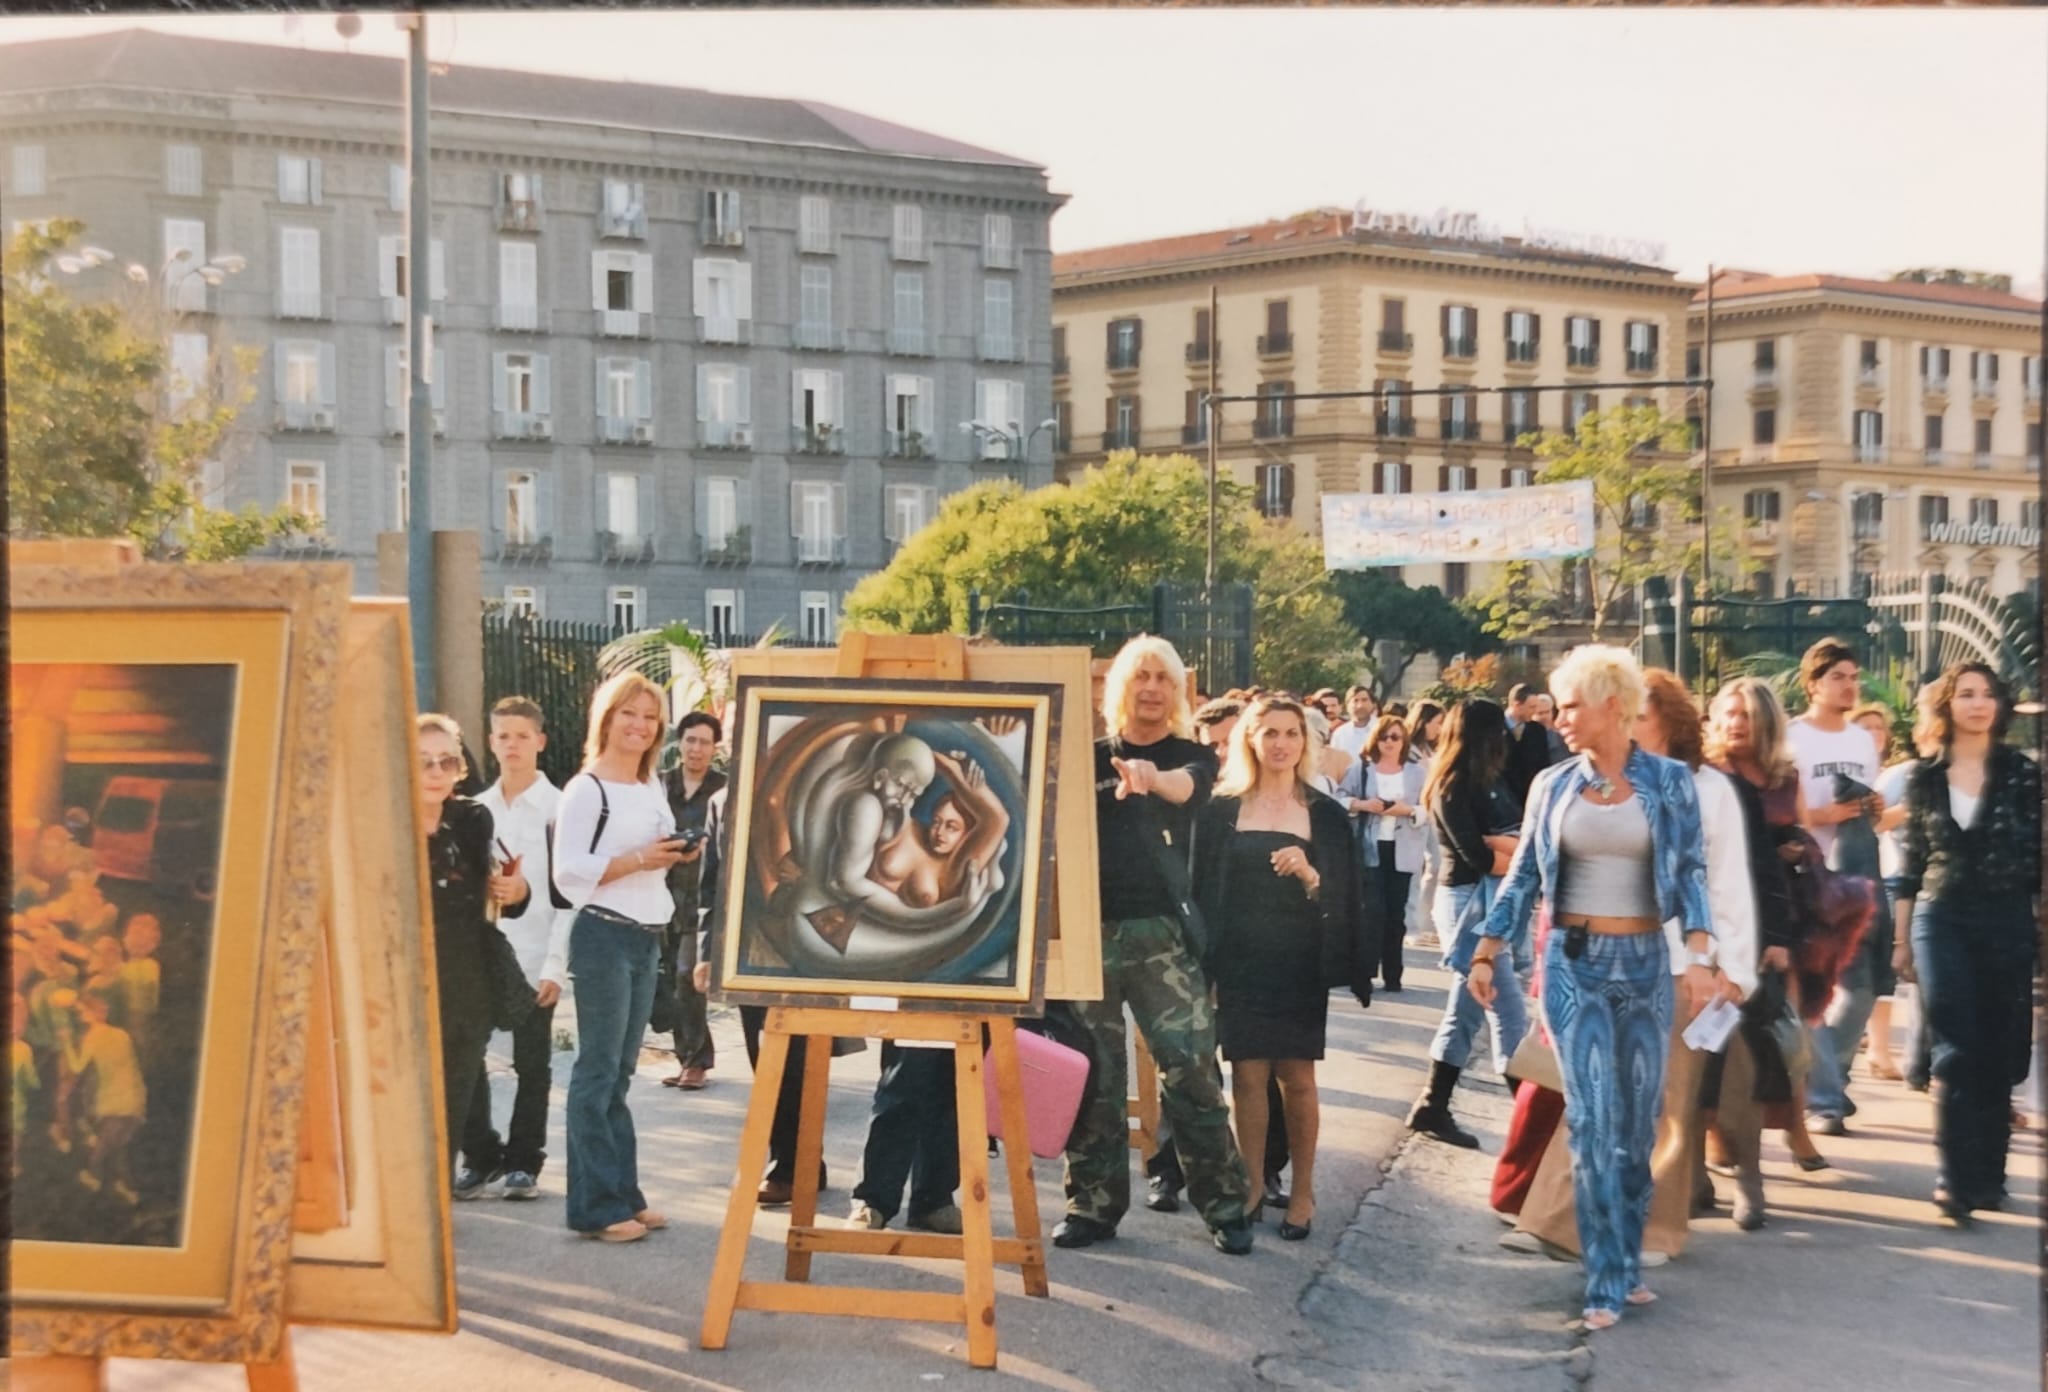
[1609, 1013]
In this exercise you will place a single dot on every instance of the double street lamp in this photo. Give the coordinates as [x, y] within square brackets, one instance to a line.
[1016, 441]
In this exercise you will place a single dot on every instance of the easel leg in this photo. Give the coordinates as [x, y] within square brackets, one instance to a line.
[280, 1376]
[56, 1373]
[978, 1242]
[1017, 1153]
[810, 1149]
[723, 1295]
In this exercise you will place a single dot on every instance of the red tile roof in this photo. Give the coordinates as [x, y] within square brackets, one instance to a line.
[1327, 226]
[1743, 285]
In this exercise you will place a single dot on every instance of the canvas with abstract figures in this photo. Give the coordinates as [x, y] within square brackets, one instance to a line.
[889, 839]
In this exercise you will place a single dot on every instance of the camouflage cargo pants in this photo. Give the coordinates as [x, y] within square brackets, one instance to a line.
[1145, 965]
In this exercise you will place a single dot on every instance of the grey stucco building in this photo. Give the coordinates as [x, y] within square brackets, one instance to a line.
[696, 356]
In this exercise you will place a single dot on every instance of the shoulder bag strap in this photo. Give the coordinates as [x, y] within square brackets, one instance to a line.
[604, 812]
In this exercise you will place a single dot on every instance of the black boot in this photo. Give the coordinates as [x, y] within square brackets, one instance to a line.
[1431, 1114]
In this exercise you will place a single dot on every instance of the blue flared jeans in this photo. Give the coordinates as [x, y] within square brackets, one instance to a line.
[1609, 1013]
[612, 962]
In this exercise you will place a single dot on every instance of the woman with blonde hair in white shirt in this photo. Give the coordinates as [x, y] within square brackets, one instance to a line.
[615, 839]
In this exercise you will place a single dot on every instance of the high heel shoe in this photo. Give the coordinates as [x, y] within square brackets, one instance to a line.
[1294, 1232]
[1812, 1163]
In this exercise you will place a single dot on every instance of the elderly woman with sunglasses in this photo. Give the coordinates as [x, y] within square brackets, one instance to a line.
[1613, 841]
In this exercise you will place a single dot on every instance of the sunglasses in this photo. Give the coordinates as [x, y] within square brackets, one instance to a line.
[446, 763]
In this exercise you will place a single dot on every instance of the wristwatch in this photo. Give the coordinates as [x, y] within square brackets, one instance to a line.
[1700, 959]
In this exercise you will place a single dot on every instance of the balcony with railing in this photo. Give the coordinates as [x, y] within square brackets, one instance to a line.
[1983, 459]
[1463, 431]
[519, 215]
[625, 430]
[293, 303]
[908, 444]
[1123, 357]
[909, 343]
[1396, 341]
[717, 232]
[819, 439]
[1581, 357]
[1272, 425]
[730, 547]
[1640, 361]
[518, 318]
[1984, 389]
[2033, 392]
[1934, 384]
[1867, 453]
[1198, 352]
[1521, 350]
[1462, 346]
[305, 415]
[815, 549]
[818, 338]
[1395, 426]
[1196, 434]
[629, 222]
[1934, 456]
[394, 420]
[724, 329]
[526, 548]
[625, 548]
[1870, 377]
[1866, 529]
[998, 256]
[725, 435]
[1061, 365]
[1275, 345]
[622, 323]
[1119, 438]
[1001, 347]
[523, 425]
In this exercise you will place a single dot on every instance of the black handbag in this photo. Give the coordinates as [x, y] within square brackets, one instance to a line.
[604, 814]
[512, 999]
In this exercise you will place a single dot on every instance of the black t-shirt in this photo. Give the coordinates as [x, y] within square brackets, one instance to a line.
[1131, 883]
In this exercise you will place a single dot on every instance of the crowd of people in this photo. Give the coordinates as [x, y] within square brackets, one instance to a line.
[1608, 848]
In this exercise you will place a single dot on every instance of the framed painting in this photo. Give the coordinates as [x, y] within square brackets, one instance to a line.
[1073, 943]
[889, 840]
[171, 770]
[374, 1246]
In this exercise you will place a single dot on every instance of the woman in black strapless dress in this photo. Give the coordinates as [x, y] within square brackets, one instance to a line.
[1277, 877]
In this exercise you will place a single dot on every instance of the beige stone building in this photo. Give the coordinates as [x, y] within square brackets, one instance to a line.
[1348, 300]
[1865, 426]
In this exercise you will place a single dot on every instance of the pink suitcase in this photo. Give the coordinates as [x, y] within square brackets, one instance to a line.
[1053, 1077]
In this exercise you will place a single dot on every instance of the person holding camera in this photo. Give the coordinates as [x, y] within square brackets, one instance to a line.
[615, 839]
[691, 785]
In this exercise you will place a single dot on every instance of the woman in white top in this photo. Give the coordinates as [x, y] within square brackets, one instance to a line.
[1891, 786]
[1383, 794]
[614, 842]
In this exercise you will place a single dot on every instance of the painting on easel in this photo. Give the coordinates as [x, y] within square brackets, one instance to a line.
[890, 839]
[117, 862]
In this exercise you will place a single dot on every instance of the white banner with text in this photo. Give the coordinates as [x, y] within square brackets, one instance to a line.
[1541, 522]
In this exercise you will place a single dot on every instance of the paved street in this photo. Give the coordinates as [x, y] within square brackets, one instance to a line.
[1403, 1285]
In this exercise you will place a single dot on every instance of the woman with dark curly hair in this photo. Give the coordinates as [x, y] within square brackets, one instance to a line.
[1965, 915]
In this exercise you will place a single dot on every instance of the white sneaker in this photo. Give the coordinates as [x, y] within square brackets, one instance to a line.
[865, 1217]
[1650, 1261]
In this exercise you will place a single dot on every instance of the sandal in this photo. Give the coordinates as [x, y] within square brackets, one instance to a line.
[625, 1230]
[1595, 1320]
[1641, 1295]
[650, 1220]
[1886, 1070]
[675, 1082]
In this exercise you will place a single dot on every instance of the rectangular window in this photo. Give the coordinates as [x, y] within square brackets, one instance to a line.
[722, 615]
[906, 509]
[623, 211]
[1276, 410]
[1983, 512]
[29, 164]
[724, 405]
[1393, 416]
[814, 224]
[1983, 443]
[1866, 358]
[718, 515]
[1460, 331]
[1063, 426]
[1059, 350]
[395, 360]
[816, 407]
[1933, 509]
[401, 497]
[722, 224]
[1457, 579]
[523, 601]
[2033, 444]
[187, 374]
[1392, 477]
[1275, 488]
[1760, 505]
[2030, 376]
[398, 194]
[906, 242]
[1126, 340]
[622, 505]
[1460, 478]
[1000, 403]
[306, 491]
[1765, 357]
[722, 298]
[1866, 516]
[522, 507]
[1869, 435]
[182, 171]
[301, 373]
[908, 406]
[518, 285]
[1518, 410]
[1278, 339]
[1582, 341]
[816, 513]
[1984, 374]
[298, 179]
[814, 306]
[816, 609]
[1459, 417]
[1642, 346]
[2030, 514]
[1933, 433]
[906, 321]
[183, 289]
[625, 603]
[1692, 363]
[1764, 427]
[1521, 336]
[998, 251]
[998, 326]
[1934, 363]
[1578, 406]
[1517, 476]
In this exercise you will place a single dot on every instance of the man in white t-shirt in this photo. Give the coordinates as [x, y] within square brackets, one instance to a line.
[1350, 736]
[523, 804]
[1826, 745]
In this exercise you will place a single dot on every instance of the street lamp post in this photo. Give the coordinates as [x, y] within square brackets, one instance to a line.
[1016, 440]
[419, 417]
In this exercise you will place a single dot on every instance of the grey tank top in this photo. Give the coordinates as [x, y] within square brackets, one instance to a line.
[1604, 861]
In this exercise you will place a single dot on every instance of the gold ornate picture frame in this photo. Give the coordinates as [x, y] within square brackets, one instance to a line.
[96, 665]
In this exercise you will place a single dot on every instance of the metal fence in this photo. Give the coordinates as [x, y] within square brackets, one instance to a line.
[1214, 637]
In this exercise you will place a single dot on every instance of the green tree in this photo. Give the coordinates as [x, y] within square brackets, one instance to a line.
[103, 440]
[1400, 623]
[1646, 523]
[1104, 540]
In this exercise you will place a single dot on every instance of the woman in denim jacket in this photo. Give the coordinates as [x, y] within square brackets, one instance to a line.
[1613, 841]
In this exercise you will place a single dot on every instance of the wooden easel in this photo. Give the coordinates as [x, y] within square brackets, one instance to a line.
[1143, 1111]
[942, 658]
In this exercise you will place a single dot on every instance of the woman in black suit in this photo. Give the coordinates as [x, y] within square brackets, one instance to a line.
[1278, 880]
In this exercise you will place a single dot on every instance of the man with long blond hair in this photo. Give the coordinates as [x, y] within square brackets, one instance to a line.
[1150, 777]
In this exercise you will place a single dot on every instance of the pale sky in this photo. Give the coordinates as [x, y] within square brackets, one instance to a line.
[1856, 142]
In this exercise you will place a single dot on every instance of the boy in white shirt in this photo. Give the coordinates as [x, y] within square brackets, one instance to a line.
[1826, 743]
[523, 804]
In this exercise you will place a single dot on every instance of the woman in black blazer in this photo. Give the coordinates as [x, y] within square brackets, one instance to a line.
[1278, 879]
